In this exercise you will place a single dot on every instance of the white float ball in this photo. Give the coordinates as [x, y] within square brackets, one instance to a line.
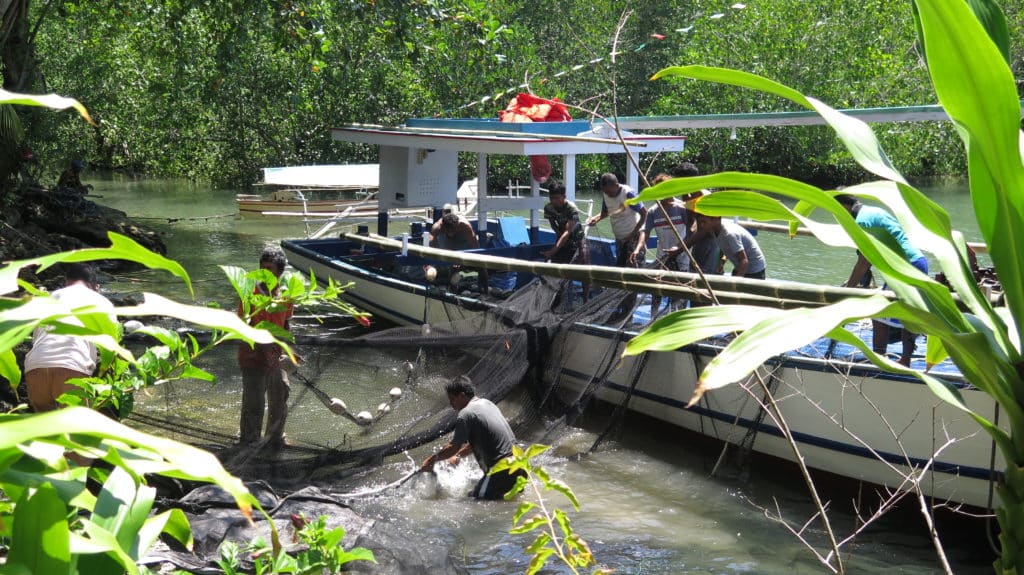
[395, 392]
[364, 418]
[337, 406]
[133, 325]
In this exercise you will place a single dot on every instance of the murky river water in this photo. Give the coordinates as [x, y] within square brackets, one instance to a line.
[648, 505]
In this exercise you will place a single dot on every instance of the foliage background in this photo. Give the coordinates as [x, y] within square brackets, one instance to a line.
[217, 89]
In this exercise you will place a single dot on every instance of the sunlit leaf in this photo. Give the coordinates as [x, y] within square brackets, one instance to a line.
[52, 101]
[40, 539]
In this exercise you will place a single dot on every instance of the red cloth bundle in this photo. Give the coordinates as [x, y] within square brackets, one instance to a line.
[529, 108]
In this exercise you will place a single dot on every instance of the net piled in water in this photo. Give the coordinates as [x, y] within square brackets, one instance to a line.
[500, 347]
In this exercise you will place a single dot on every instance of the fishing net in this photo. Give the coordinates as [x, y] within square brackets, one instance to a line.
[356, 401]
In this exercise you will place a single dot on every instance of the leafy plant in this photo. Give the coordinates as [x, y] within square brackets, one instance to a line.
[53, 522]
[976, 87]
[556, 536]
[324, 552]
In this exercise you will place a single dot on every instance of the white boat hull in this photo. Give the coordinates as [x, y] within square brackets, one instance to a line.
[847, 419]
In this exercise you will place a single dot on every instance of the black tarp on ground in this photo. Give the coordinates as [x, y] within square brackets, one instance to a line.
[215, 519]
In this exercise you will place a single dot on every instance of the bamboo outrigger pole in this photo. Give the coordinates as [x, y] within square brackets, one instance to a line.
[646, 280]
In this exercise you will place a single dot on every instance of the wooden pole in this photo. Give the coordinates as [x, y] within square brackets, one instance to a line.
[807, 293]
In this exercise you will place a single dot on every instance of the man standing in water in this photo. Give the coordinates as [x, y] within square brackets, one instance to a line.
[887, 229]
[480, 428]
[55, 358]
[263, 379]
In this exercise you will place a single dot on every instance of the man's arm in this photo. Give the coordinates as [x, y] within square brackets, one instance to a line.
[562, 238]
[859, 269]
[604, 214]
[448, 451]
[641, 237]
[740, 264]
[470, 234]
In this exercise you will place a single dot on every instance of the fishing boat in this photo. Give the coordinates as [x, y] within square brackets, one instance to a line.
[844, 415]
[313, 191]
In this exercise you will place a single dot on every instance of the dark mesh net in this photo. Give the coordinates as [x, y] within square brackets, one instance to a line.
[517, 345]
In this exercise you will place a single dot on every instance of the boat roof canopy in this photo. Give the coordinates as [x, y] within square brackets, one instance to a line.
[489, 136]
[330, 176]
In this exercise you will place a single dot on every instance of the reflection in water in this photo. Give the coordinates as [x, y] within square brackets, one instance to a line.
[648, 505]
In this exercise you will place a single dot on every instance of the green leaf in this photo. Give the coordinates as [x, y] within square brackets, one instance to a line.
[563, 522]
[121, 247]
[523, 509]
[534, 522]
[40, 539]
[333, 537]
[564, 489]
[536, 449]
[212, 318]
[9, 368]
[52, 101]
[520, 485]
[172, 522]
[935, 352]
[116, 559]
[538, 561]
[358, 554]
[539, 543]
[780, 333]
[977, 89]
[193, 372]
[181, 460]
[694, 324]
[855, 134]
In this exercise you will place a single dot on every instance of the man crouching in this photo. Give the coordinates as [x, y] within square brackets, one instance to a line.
[482, 429]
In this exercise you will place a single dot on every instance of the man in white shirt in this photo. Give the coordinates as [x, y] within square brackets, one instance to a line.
[56, 358]
[627, 221]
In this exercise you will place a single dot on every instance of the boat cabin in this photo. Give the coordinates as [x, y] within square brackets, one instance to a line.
[419, 161]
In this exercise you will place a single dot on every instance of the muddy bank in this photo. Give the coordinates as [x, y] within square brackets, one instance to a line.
[41, 222]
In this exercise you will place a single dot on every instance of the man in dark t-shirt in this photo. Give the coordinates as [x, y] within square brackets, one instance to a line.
[481, 429]
[564, 218]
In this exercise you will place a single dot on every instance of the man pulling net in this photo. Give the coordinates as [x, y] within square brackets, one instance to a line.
[481, 429]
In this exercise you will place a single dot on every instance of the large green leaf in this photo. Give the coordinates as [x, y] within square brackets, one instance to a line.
[692, 325]
[183, 461]
[121, 248]
[780, 333]
[52, 101]
[855, 134]
[218, 319]
[40, 539]
[977, 89]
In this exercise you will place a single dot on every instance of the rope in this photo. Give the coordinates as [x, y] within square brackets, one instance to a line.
[638, 370]
[192, 219]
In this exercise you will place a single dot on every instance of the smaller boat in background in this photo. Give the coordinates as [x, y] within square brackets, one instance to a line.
[314, 191]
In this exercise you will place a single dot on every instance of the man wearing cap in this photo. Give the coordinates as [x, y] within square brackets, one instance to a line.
[70, 179]
[480, 428]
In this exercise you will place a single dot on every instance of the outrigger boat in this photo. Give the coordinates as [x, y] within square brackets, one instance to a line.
[846, 416]
[313, 191]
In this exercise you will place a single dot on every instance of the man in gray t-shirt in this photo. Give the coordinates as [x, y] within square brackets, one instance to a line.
[481, 428]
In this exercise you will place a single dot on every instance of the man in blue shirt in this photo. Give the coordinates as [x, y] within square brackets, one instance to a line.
[887, 229]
